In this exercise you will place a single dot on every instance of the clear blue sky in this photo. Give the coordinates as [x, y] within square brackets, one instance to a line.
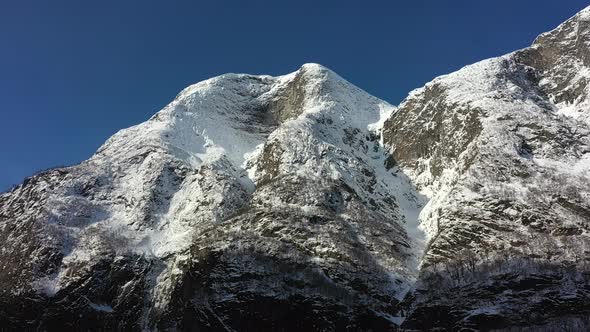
[74, 72]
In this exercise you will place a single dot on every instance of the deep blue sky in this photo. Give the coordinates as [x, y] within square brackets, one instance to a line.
[74, 72]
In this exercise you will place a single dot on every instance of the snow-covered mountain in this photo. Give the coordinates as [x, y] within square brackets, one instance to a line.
[300, 202]
[501, 149]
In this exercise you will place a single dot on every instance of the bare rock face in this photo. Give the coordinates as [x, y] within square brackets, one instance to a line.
[300, 202]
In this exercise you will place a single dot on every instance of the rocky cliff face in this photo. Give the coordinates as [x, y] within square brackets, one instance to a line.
[300, 202]
[501, 149]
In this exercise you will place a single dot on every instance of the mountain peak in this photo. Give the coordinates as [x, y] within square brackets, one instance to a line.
[313, 67]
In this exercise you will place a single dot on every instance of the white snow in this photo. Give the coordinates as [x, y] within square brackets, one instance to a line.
[584, 14]
[100, 307]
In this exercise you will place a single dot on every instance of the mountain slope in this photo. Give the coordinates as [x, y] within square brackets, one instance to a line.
[274, 186]
[501, 149]
[300, 202]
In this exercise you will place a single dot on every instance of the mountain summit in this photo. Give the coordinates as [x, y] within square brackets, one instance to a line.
[301, 202]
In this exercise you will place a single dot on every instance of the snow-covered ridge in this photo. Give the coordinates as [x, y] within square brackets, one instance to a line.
[580, 17]
[501, 150]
